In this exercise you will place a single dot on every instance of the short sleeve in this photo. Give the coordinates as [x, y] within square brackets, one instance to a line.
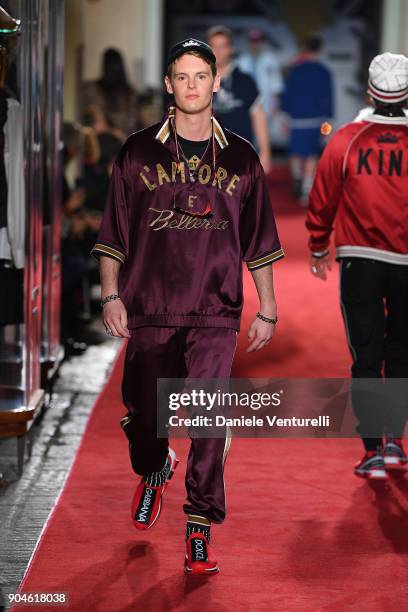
[260, 245]
[113, 238]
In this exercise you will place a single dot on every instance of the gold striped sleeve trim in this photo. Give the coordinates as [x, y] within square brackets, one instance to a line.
[104, 249]
[266, 259]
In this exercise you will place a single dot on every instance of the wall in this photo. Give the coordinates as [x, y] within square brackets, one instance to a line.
[395, 25]
[109, 23]
[72, 50]
[135, 27]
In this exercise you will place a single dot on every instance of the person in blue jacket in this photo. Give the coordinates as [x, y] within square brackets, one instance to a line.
[308, 100]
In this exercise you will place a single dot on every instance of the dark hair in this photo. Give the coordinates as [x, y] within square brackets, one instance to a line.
[110, 147]
[71, 134]
[312, 43]
[114, 73]
[390, 110]
[212, 65]
[71, 138]
[219, 30]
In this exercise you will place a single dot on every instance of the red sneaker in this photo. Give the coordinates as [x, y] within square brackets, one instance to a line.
[147, 500]
[200, 558]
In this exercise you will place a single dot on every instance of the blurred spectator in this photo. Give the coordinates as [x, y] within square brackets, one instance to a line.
[95, 118]
[76, 226]
[97, 172]
[149, 111]
[260, 62]
[91, 151]
[308, 100]
[97, 176]
[238, 103]
[112, 94]
[73, 199]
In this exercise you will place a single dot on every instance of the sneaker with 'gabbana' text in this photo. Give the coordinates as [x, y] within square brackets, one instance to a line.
[147, 500]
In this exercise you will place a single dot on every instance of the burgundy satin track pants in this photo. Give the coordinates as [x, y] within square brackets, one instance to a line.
[177, 352]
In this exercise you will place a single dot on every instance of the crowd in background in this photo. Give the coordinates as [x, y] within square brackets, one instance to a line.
[255, 89]
[111, 109]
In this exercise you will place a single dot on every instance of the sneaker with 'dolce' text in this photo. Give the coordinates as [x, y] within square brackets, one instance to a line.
[394, 455]
[147, 500]
[371, 466]
[200, 558]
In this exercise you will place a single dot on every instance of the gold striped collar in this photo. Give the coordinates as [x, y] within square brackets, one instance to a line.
[219, 134]
[164, 132]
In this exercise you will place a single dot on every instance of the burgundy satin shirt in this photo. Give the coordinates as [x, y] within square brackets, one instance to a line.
[177, 269]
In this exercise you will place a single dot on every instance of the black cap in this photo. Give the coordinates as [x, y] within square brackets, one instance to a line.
[190, 44]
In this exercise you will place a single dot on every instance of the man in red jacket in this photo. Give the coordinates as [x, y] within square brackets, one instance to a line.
[188, 201]
[361, 186]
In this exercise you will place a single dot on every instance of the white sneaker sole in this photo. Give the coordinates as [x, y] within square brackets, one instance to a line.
[373, 474]
[189, 570]
[394, 463]
[380, 474]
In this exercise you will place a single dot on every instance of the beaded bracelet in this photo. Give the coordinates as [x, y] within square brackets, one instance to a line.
[267, 319]
[109, 298]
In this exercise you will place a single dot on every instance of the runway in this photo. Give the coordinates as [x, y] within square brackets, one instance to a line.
[302, 533]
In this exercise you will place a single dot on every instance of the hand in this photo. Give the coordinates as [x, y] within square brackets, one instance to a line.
[260, 333]
[318, 266]
[74, 201]
[115, 318]
[78, 226]
[94, 221]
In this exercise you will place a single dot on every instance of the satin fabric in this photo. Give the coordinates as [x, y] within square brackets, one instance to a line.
[178, 269]
[168, 352]
[361, 191]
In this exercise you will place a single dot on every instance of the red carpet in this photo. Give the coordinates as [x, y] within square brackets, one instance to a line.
[317, 539]
[310, 340]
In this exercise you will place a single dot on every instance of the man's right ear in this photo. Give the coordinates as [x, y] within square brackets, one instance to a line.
[217, 83]
[167, 83]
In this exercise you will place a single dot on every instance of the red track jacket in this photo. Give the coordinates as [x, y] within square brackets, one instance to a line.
[361, 191]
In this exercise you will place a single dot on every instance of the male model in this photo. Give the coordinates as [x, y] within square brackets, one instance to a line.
[188, 201]
[361, 185]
